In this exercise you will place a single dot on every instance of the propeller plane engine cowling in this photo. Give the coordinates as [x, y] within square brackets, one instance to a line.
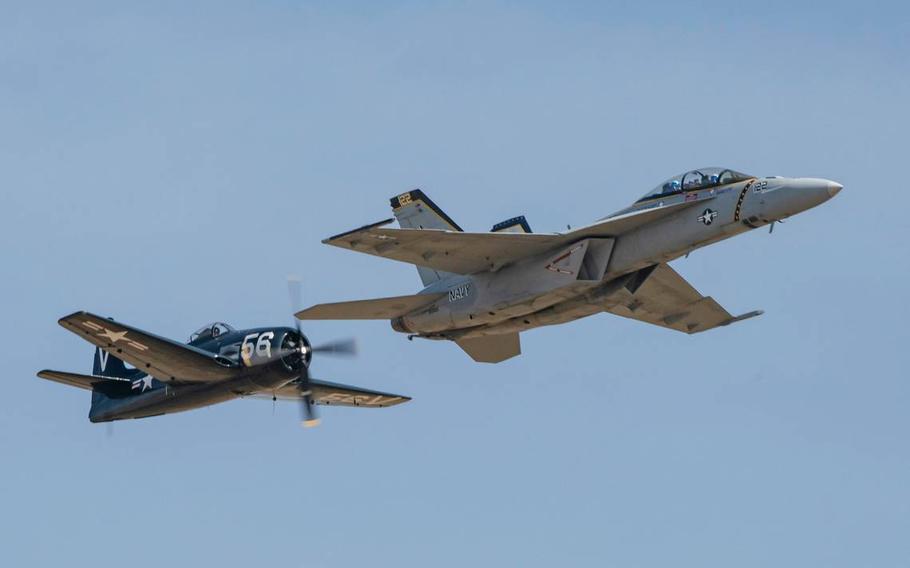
[286, 345]
[295, 350]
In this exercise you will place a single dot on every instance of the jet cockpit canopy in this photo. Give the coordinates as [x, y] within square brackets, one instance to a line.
[703, 178]
[210, 331]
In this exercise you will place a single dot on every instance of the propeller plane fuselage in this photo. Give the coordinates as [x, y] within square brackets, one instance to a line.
[261, 355]
[218, 363]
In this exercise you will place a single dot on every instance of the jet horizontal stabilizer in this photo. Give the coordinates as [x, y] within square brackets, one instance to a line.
[380, 308]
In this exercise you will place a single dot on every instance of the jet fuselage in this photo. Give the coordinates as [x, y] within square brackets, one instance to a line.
[583, 278]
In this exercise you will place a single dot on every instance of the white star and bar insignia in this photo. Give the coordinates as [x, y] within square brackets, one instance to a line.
[114, 336]
[144, 384]
[707, 217]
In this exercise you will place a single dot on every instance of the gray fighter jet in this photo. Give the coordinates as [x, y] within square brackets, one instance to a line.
[481, 290]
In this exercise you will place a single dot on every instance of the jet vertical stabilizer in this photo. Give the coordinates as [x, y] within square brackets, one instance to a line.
[414, 210]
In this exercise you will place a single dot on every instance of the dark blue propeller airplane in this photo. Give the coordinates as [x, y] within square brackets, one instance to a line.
[219, 363]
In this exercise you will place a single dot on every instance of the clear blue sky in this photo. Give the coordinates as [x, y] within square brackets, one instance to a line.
[171, 165]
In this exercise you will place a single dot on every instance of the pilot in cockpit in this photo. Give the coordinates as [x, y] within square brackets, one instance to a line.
[211, 331]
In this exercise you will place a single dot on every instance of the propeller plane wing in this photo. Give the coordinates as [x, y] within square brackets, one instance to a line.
[162, 358]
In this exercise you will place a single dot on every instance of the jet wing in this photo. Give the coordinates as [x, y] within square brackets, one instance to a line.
[448, 251]
[619, 224]
[664, 298]
[380, 308]
[468, 253]
[335, 394]
[162, 358]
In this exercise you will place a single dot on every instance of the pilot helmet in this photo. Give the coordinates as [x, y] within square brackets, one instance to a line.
[713, 178]
[674, 185]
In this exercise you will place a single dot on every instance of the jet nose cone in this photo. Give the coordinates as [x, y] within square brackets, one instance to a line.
[834, 188]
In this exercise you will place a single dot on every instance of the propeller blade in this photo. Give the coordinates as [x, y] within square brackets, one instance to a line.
[339, 348]
[344, 347]
[309, 417]
[295, 295]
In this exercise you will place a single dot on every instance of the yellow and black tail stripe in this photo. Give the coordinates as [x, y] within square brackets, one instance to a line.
[418, 198]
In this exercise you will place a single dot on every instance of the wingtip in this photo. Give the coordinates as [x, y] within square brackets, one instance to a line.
[743, 317]
[65, 319]
[396, 400]
[382, 223]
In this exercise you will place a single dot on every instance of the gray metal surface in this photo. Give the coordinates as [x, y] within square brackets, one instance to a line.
[499, 284]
